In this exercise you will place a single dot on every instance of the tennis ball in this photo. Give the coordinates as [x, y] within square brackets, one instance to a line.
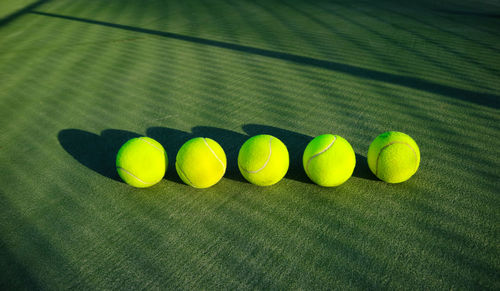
[201, 162]
[141, 162]
[393, 157]
[263, 160]
[329, 160]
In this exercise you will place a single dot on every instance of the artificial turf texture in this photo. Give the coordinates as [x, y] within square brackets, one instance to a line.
[79, 78]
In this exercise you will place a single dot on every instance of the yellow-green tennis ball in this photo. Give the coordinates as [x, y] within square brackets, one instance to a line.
[141, 162]
[263, 160]
[201, 162]
[329, 160]
[393, 157]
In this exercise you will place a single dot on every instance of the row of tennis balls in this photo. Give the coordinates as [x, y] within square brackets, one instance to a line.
[263, 160]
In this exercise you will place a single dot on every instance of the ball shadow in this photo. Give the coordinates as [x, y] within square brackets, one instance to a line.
[295, 142]
[172, 140]
[362, 170]
[96, 152]
[231, 142]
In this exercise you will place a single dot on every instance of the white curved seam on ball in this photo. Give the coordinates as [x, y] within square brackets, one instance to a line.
[389, 144]
[151, 144]
[134, 176]
[218, 159]
[185, 176]
[328, 147]
[268, 159]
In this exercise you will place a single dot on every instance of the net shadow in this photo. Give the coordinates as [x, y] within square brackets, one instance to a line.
[481, 98]
[11, 17]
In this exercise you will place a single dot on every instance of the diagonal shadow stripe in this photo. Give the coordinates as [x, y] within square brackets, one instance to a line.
[485, 99]
[11, 17]
[469, 13]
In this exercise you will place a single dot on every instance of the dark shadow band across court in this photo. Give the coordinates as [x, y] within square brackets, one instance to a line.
[481, 98]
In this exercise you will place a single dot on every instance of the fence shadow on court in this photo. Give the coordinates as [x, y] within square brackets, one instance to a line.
[11, 17]
[481, 98]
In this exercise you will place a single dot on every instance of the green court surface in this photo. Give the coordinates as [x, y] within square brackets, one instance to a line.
[79, 78]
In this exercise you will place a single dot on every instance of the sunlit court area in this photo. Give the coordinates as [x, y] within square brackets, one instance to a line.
[322, 201]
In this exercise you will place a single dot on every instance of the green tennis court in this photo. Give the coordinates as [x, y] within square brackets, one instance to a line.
[79, 78]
